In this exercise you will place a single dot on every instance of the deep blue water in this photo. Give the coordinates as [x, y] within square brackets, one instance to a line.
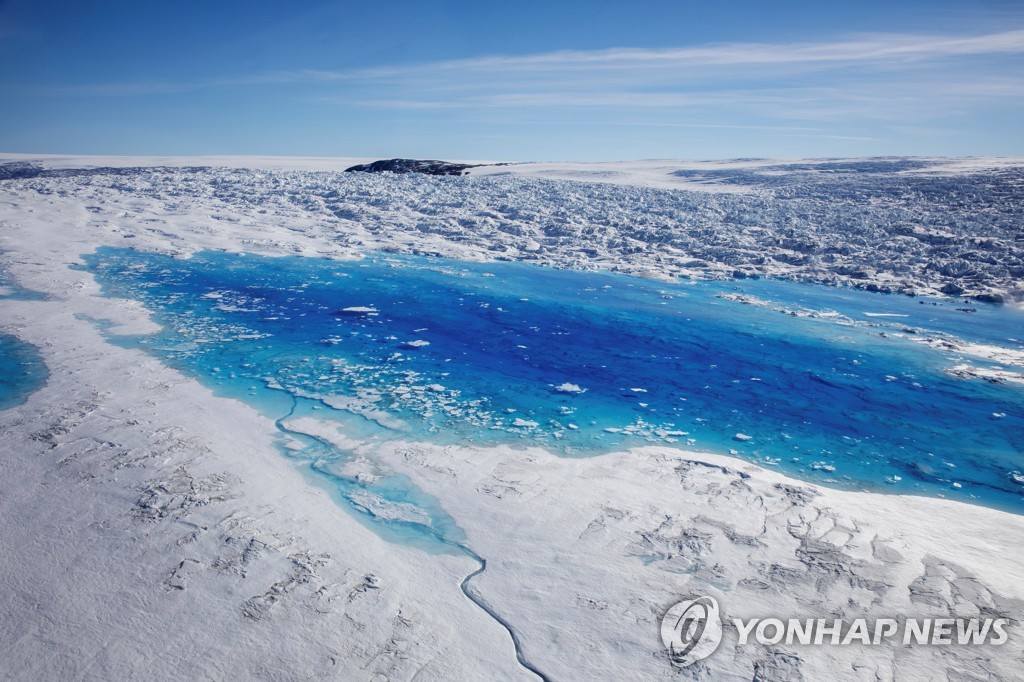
[22, 371]
[462, 352]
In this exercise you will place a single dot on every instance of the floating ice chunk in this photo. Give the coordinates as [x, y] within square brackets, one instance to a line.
[893, 479]
[639, 390]
[1017, 477]
[822, 466]
[612, 429]
[742, 437]
[357, 310]
[525, 423]
[998, 415]
[388, 510]
[569, 388]
[417, 343]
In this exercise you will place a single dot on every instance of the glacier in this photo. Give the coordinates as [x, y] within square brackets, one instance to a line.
[162, 518]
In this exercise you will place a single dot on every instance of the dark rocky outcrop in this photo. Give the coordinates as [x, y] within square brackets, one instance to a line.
[412, 166]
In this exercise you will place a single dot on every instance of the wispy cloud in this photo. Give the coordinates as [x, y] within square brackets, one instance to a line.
[890, 48]
[892, 78]
[891, 51]
[880, 76]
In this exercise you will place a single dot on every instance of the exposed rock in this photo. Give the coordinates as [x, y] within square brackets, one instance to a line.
[427, 167]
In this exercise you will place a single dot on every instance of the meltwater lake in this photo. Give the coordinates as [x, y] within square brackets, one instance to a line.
[825, 384]
[22, 371]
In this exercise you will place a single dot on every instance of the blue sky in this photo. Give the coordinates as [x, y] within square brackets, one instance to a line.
[514, 80]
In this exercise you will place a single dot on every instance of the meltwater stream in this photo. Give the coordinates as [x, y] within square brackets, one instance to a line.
[835, 390]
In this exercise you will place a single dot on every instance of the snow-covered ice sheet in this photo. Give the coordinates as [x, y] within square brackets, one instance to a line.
[893, 225]
[153, 529]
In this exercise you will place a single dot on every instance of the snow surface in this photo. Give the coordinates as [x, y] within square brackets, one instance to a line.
[894, 225]
[152, 530]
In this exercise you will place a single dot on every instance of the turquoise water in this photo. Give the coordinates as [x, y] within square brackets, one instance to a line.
[22, 371]
[584, 363]
[10, 289]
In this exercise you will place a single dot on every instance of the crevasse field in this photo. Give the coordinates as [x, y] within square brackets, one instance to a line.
[303, 423]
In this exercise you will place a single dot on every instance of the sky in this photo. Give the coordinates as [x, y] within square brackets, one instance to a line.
[513, 81]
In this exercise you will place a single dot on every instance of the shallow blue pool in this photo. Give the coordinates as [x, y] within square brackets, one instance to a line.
[584, 363]
[22, 371]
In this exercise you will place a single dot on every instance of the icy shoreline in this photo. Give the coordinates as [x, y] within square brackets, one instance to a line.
[152, 529]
